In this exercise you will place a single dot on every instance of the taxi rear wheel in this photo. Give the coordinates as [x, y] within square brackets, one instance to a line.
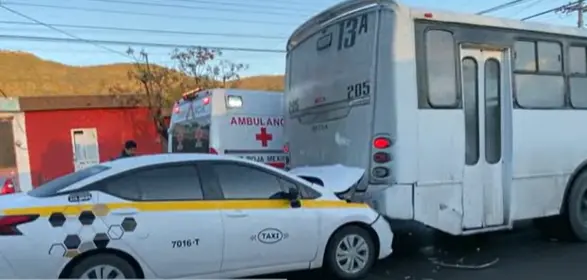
[103, 266]
[350, 253]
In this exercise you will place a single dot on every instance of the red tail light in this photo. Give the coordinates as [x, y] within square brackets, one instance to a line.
[381, 143]
[8, 187]
[286, 148]
[381, 157]
[213, 151]
[8, 223]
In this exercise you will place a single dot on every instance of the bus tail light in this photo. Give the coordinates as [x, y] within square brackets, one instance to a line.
[380, 172]
[381, 157]
[381, 143]
[234, 101]
[8, 223]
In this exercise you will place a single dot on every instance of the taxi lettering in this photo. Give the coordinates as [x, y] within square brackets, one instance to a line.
[257, 121]
[270, 236]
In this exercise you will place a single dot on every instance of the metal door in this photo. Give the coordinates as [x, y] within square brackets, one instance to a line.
[85, 147]
[487, 107]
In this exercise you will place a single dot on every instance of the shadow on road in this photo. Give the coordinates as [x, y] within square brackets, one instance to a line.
[517, 254]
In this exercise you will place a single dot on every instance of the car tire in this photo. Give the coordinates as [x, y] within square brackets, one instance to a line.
[577, 221]
[335, 266]
[103, 260]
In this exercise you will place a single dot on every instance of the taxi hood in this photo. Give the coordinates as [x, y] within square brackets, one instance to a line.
[337, 178]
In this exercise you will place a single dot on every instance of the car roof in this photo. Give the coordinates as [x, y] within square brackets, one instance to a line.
[147, 160]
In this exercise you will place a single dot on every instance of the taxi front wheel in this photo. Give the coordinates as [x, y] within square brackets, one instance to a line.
[103, 266]
[350, 253]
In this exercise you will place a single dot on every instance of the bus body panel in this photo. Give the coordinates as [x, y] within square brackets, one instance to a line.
[253, 131]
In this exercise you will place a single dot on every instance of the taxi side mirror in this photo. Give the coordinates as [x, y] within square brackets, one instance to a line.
[293, 194]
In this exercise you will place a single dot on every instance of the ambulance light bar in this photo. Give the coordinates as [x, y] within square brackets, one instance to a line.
[191, 95]
[234, 101]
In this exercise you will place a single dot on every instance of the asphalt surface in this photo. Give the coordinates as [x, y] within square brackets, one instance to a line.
[519, 254]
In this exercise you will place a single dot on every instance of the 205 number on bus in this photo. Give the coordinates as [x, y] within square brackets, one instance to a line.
[359, 90]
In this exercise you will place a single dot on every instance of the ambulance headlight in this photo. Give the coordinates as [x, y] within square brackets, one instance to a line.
[233, 101]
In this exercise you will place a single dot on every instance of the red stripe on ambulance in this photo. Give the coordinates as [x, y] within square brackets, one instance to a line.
[257, 121]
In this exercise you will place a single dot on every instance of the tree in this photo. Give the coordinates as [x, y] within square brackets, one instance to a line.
[196, 67]
[206, 68]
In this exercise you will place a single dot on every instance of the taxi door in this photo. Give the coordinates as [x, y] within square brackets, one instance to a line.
[167, 224]
[259, 230]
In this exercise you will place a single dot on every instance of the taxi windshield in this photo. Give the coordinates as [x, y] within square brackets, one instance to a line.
[52, 187]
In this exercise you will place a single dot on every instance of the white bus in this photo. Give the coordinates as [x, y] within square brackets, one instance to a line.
[243, 123]
[464, 123]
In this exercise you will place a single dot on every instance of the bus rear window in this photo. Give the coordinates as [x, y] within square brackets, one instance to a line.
[333, 66]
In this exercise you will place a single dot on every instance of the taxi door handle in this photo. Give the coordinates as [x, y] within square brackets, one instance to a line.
[236, 214]
[125, 212]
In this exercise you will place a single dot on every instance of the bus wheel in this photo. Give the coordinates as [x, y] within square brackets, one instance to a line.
[577, 208]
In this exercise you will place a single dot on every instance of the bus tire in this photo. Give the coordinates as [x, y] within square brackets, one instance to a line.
[576, 210]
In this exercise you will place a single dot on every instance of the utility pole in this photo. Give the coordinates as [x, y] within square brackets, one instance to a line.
[577, 6]
[580, 10]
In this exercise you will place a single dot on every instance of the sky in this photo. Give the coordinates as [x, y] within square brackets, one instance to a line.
[256, 24]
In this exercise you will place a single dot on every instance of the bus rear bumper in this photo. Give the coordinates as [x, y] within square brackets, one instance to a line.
[392, 201]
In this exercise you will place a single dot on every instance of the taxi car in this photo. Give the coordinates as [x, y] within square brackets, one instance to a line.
[185, 215]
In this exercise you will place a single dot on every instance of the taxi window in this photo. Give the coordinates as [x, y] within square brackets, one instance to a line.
[160, 183]
[191, 137]
[52, 187]
[305, 192]
[243, 182]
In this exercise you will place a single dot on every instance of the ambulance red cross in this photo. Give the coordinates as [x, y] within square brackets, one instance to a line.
[244, 123]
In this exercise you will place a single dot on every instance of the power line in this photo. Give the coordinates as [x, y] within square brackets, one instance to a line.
[126, 13]
[559, 8]
[501, 7]
[131, 43]
[280, 6]
[151, 31]
[138, 3]
[61, 31]
[525, 7]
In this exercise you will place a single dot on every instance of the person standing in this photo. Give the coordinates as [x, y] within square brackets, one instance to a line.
[130, 148]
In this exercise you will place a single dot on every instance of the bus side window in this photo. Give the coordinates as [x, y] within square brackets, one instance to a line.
[578, 76]
[539, 74]
[441, 69]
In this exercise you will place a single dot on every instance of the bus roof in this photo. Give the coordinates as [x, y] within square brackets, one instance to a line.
[340, 10]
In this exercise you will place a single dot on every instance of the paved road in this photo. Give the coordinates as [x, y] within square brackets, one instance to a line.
[519, 255]
[522, 254]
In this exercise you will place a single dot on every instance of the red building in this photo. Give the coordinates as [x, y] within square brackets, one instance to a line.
[45, 137]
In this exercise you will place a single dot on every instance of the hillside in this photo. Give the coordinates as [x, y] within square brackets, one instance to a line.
[24, 74]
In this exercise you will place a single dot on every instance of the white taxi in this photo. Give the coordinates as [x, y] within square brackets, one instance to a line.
[185, 216]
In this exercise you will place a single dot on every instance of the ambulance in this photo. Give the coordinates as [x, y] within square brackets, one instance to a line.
[243, 123]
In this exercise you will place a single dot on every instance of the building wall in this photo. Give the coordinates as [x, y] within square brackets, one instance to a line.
[49, 137]
[20, 151]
